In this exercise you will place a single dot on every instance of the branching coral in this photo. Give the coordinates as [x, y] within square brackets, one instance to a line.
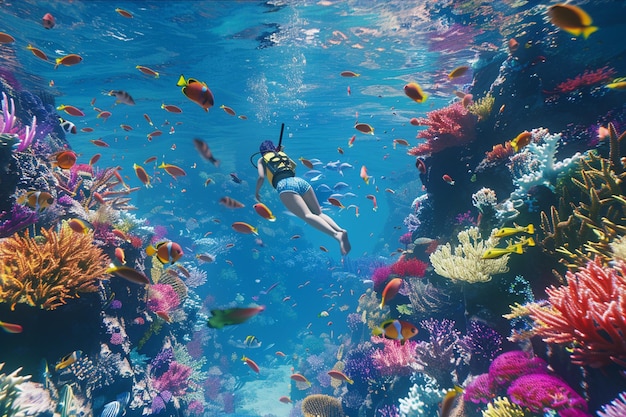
[9, 392]
[394, 358]
[482, 107]
[466, 263]
[440, 355]
[502, 407]
[447, 127]
[588, 314]
[47, 270]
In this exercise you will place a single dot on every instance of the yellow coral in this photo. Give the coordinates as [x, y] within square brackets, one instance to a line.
[466, 263]
[482, 107]
[44, 271]
[369, 308]
[320, 405]
[502, 407]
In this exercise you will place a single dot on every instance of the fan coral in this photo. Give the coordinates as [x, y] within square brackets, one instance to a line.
[439, 356]
[481, 344]
[540, 391]
[447, 127]
[409, 268]
[318, 405]
[466, 263]
[20, 218]
[589, 313]
[46, 274]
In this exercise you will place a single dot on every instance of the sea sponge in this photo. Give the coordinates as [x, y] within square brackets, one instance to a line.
[320, 405]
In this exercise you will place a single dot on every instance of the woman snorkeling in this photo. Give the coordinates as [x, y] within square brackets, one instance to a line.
[295, 193]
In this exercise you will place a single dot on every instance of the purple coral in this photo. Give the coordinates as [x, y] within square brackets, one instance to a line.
[481, 344]
[161, 362]
[21, 217]
[440, 355]
[360, 364]
[541, 391]
[379, 276]
[175, 379]
[8, 124]
[162, 297]
[478, 390]
[394, 358]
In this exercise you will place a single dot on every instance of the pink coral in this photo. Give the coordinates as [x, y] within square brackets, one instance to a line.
[447, 127]
[394, 358]
[509, 366]
[617, 407]
[588, 313]
[175, 379]
[479, 390]
[409, 268]
[541, 391]
[586, 79]
[162, 297]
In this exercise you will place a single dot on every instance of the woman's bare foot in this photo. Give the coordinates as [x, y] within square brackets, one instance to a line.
[344, 243]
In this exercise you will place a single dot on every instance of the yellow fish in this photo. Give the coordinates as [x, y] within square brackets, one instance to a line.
[68, 360]
[509, 231]
[495, 253]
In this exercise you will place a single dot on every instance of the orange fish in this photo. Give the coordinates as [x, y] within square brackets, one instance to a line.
[142, 175]
[401, 142]
[166, 252]
[280, 354]
[231, 203]
[37, 52]
[244, 228]
[65, 159]
[284, 399]
[164, 315]
[340, 376]
[306, 163]
[300, 378]
[396, 330]
[349, 74]
[145, 116]
[118, 233]
[127, 128]
[120, 255]
[10, 327]
[414, 92]
[95, 159]
[80, 225]
[364, 175]
[37, 200]
[48, 21]
[364, 128]
[104, 114]
[521, 140]
[151, 159]
[173, 170]
[71, 110]
[171, 108]
[351, 141]
[228, 110]
[124, 13]
[251, 364]
[148, 71]
[68, 60]
[335, 202]
[390, 291]
[6, 38]
[448, 179]
[263, 211]
[571, 19]
[196, 91]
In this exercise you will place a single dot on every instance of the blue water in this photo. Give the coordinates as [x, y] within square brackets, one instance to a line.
[280, 63]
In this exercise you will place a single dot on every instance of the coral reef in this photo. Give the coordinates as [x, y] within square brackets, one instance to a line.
[9, 392]
[424, 395]
[320, 405]
[616, 408]
[587, 314]
[45, 271]
[465, 264]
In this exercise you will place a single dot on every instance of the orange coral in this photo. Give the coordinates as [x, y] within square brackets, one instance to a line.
[44, 271]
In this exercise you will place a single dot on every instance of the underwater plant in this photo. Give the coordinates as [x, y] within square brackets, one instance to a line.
[45, 271]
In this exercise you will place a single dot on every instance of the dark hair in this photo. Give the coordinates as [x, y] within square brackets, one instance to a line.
[267, 146]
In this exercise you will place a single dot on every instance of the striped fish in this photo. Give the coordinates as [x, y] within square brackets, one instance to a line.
[67, 397]
[112, 409]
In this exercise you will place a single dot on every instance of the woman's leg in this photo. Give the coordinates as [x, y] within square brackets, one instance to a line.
[311, 201]
[298, 206]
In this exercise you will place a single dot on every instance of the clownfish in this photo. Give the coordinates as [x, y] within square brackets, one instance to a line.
[166, 252]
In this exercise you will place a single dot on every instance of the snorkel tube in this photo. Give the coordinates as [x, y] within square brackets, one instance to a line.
[278, 148]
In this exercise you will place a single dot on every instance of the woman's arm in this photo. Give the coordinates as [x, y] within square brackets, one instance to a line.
[260, 179]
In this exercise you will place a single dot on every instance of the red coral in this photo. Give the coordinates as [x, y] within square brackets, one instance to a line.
[589, 313]
[174, 380]
[409, 268]
[447, 127]
[585, 79]
[135, 241]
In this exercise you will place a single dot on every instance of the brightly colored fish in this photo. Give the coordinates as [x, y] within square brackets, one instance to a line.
[244, 228]
[196, 91]
[166, 252]
[263, 211]
[232, 316]
[395, 329]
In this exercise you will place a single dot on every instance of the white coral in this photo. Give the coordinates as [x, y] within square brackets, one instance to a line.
[466, 263]
[421, 397]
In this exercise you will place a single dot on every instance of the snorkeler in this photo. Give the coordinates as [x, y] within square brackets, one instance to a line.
[295, 193]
